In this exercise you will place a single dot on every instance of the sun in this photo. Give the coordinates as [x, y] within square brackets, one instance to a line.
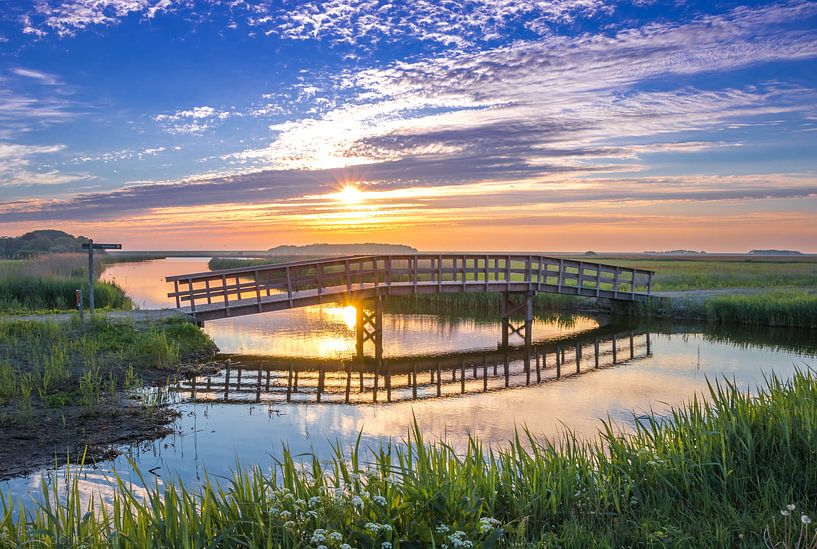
[350, 194]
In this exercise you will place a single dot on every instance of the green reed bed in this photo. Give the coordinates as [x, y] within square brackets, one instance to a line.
[798, 310]
[51, 364]
[49, 282]
[715, 473]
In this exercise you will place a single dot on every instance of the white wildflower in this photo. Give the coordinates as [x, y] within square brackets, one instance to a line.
[790, 507]
[285, 514]
[311, 514]
[314, 501]
[289, 524]
[441, 529]
[357, 501]
[380, 500]
[486, 524]
[345, 546]
[785, 512]
[805, 519]
[385, 545]
[300, 503]
[335, 536]
[322, 547]
[318, 537]
[386, 528]
[372, 527]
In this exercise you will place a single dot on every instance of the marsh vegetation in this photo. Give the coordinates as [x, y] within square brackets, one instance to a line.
[48, 283]
[714, 473]
[71, 376]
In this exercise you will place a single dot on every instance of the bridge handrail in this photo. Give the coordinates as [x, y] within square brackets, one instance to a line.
[490, 270]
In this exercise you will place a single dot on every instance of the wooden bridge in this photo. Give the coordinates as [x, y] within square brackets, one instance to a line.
[262, 288]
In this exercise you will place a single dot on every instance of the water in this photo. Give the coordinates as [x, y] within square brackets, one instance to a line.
[262, 411]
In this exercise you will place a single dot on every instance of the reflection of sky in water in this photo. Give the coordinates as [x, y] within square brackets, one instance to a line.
[213, 436]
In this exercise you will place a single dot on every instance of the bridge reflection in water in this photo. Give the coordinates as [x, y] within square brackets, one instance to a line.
[271, 380]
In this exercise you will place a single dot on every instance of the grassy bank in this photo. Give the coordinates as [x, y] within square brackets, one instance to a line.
[797, 310]
[54, 364]
[717, 474]
[49, 282]
[73, 381]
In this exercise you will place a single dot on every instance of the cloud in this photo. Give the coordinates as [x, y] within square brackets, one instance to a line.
[452, 23]
[66, 17]
[122, 154]
[193, 121]
[42, 77]
[531, 102]
[16, 166]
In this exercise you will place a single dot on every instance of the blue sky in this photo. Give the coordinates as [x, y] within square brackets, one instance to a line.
[564, 124]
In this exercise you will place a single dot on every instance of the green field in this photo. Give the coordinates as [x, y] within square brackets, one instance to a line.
[733, 272]
[731, 471]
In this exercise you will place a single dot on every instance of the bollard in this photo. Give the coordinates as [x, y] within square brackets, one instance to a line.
[80, 308]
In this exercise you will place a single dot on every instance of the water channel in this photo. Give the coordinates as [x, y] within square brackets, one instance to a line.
[292, 380]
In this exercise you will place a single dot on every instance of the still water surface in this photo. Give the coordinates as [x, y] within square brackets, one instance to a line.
[248, 413]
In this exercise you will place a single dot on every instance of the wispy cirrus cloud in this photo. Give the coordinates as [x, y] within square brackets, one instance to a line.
[17, 166]
[531, 100]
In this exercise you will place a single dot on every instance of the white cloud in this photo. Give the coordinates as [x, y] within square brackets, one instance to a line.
[42, 77]
[16, 166]
[66, 17]
[555, 101]
[123, 154]
[451, 23]
[193, 121]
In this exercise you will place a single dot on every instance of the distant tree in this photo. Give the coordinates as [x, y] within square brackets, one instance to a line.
[38, 242]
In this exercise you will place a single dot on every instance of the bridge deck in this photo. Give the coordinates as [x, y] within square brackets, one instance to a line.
[263, 288]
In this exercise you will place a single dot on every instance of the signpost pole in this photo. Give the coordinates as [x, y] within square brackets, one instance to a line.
[90, 246]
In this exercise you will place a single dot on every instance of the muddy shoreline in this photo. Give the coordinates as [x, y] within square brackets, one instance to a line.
[54, 437]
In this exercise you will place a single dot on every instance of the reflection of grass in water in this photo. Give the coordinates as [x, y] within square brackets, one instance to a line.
[713, 473]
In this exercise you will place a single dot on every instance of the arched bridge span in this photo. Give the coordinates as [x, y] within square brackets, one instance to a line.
[262, 288]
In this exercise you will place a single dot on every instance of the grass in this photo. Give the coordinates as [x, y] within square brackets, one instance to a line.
[218, 263]
[49, 282]
[702, 274]
[715, 473]
[53, 364]
[797, 310]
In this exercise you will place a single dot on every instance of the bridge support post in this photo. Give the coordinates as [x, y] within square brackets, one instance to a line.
[369, 327]
[512, 307]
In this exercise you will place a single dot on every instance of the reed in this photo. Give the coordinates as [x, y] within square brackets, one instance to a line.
[797, 310]
[73, 362]
[714, 473]
[49, 282]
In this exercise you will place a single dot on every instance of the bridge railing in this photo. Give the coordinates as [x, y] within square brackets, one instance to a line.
[473, 272]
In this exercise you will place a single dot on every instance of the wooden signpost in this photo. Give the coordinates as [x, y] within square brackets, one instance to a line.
[90, 246]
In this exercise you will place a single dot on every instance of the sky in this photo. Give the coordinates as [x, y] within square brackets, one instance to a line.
[559, 125]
